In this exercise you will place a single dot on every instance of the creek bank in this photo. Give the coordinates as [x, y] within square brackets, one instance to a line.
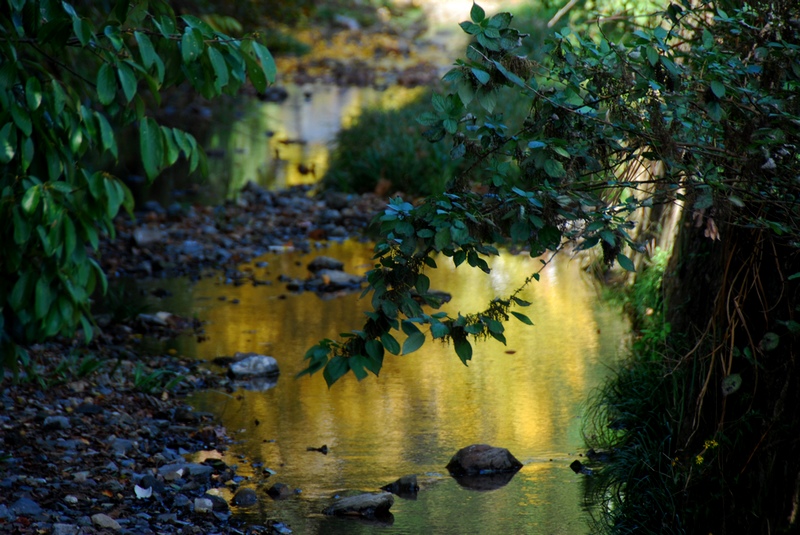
[189, 240]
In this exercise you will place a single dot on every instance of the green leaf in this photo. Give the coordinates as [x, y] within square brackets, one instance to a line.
[106, 84]
[413, 342]
[146, 49]
[33, 93]
[439, 330]
[254, 70]
[107, 134]
[8, 142]
[152, 147]
[442, 239]
[127, 80]
[463, 349]
[43, 298]
[22, 119]
[625, 262]
[335, 369]
[390, 344]
[423, 284]
[477, 14]
[22, 230]
[219, 66]
[718, 89]
[357, 364]
[31, 199]
[482, 76]
[192, 45]
[554, 168]
[267, 62]
[522, 317]
[20, 291]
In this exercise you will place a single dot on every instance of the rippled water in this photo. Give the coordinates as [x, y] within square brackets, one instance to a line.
[526, 396]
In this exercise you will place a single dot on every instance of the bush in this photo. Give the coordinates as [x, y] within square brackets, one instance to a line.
[385, 146]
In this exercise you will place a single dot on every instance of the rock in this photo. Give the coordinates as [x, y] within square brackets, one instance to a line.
[106, 522]
[203, 505]
[405, 487]
[144, 236]
[579, 468]
[218, 503]
[479, 459]
[122, 446]
[254, 366]
[192, 248]
[245, 498]
[279, 491]
[25, 507]
[56, 422]
[325, 262]
[65, 529]
[369, 505]
[332, 279]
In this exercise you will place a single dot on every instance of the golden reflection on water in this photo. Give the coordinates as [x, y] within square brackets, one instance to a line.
[286, 144]
[526, 396]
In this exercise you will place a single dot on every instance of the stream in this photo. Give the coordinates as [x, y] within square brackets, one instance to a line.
[527, 396]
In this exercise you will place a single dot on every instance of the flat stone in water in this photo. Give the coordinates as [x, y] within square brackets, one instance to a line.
[367, 505]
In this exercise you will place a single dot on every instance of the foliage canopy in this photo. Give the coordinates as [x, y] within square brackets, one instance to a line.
[68, 79]
[676, 112]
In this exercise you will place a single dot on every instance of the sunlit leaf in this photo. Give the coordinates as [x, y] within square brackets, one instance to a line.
[522, 317]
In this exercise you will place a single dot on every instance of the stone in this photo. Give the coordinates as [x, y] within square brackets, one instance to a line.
[56, 422]
[479, 459]
[101, 520]
[65, 529]
[405, 487]
[245, 498]
[218, 503]
[254, 366]
[203, 505]
[25, 507]
[339, 279]
[144, 236]
[325, 262]
[279, 491]
[368, 505]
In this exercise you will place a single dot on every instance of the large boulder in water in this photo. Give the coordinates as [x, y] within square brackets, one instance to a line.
[370, 505]
[480, 459]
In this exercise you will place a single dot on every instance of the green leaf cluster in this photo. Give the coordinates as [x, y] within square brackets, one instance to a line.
[69, 78]
[696, 106]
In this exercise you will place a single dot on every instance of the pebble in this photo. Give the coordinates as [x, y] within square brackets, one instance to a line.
[104, 521]
[56, 422]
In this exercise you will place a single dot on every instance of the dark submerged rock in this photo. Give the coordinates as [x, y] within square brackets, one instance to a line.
[369, 505]
[481, 459]
[405, 487]
[279, 491]
[245, 498]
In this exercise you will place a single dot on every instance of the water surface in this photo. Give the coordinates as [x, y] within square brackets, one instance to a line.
[527, 397]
